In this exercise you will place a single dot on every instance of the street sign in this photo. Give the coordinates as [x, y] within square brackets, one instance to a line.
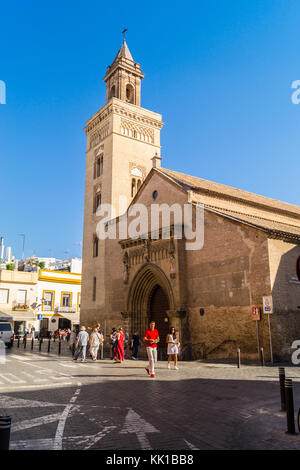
[40, 316]
[256, 313]
[268, 304]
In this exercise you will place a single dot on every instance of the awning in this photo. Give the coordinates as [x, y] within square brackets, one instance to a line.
[73, 317]
[12, 315]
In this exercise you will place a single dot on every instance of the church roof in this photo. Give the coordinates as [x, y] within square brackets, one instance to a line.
[202, 185]
[275, 228]
[263, 220]
[124, 52]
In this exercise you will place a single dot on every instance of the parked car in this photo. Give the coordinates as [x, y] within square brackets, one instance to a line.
[6, 333]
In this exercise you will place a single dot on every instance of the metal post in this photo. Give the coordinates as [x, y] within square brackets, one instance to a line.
[238, 358]
[40, 345]
[282, 388]
[270, 337]
[262, 357]
[101, 351]
[5, 425]
[257, 337]
[59, 347]
[32, 343]
[73, 349]
[49, 345]
[25, 342]
[18, 341]
[289, 399]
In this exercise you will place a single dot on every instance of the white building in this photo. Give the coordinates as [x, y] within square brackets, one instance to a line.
[18, 291]
[58, 299]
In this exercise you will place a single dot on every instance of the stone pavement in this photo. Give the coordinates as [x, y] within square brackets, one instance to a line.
[58, 404]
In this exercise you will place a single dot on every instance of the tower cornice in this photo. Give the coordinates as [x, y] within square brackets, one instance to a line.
[127, 110]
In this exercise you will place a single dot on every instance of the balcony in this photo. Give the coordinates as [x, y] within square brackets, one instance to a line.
[65, 310]
[21, 307]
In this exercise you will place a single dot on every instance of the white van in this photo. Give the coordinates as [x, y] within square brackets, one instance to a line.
[6, 333]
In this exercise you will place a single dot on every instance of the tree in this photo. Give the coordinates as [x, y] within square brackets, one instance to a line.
[10, 266]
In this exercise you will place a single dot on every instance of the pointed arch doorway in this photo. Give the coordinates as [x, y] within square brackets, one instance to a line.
[150, 297]
[158, 308]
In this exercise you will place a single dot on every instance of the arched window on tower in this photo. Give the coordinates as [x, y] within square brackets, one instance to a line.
[95, 246]
[129, 94]
[112, 92]
[99, 166]
[97, 201]
[139, 183]
[133, 187]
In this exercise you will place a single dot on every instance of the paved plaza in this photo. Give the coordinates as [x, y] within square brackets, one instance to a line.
[58, 404]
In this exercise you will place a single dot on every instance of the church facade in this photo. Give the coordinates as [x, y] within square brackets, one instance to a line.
[250, 249]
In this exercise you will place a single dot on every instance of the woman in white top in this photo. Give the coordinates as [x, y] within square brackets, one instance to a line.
[94, 344]
[173, 345]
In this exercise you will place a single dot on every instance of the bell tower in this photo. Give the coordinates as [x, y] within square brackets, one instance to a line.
[122, 139]
[123, 78]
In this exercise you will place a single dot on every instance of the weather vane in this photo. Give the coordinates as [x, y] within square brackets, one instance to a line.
[124, 32]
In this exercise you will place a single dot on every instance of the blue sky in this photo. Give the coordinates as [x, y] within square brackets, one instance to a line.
[219, 71]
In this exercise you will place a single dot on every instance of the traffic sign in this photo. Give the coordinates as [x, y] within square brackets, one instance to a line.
[40, 316]
[268, 304]
[256, 313]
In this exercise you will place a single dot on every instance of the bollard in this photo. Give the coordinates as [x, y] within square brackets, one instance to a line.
[18, 341]
[101, 353]
[32, 343]
[289, 400]
[282, 387]
[5, 425]
[238, 354]
[262, 357]
[40, 345]
[49, 345]
[59, 347]
[73, 349]
[25, 342]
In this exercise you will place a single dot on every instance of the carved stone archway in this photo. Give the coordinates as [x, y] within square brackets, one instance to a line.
[143, 285]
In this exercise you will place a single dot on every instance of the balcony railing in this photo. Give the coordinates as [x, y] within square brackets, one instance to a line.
[21, 307]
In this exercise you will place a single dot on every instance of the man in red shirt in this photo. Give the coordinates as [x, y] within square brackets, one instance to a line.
[151, 337]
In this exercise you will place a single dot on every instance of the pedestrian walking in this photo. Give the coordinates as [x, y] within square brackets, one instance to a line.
[68, 334]
[101, 340]
[72, 338]
[151, 337]
[81, 344]
[134, 346]
[94, 344]
[173, 347]
[126, 342]
[113, 342]
[25, 335]
[32, 332]
[119, 349]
